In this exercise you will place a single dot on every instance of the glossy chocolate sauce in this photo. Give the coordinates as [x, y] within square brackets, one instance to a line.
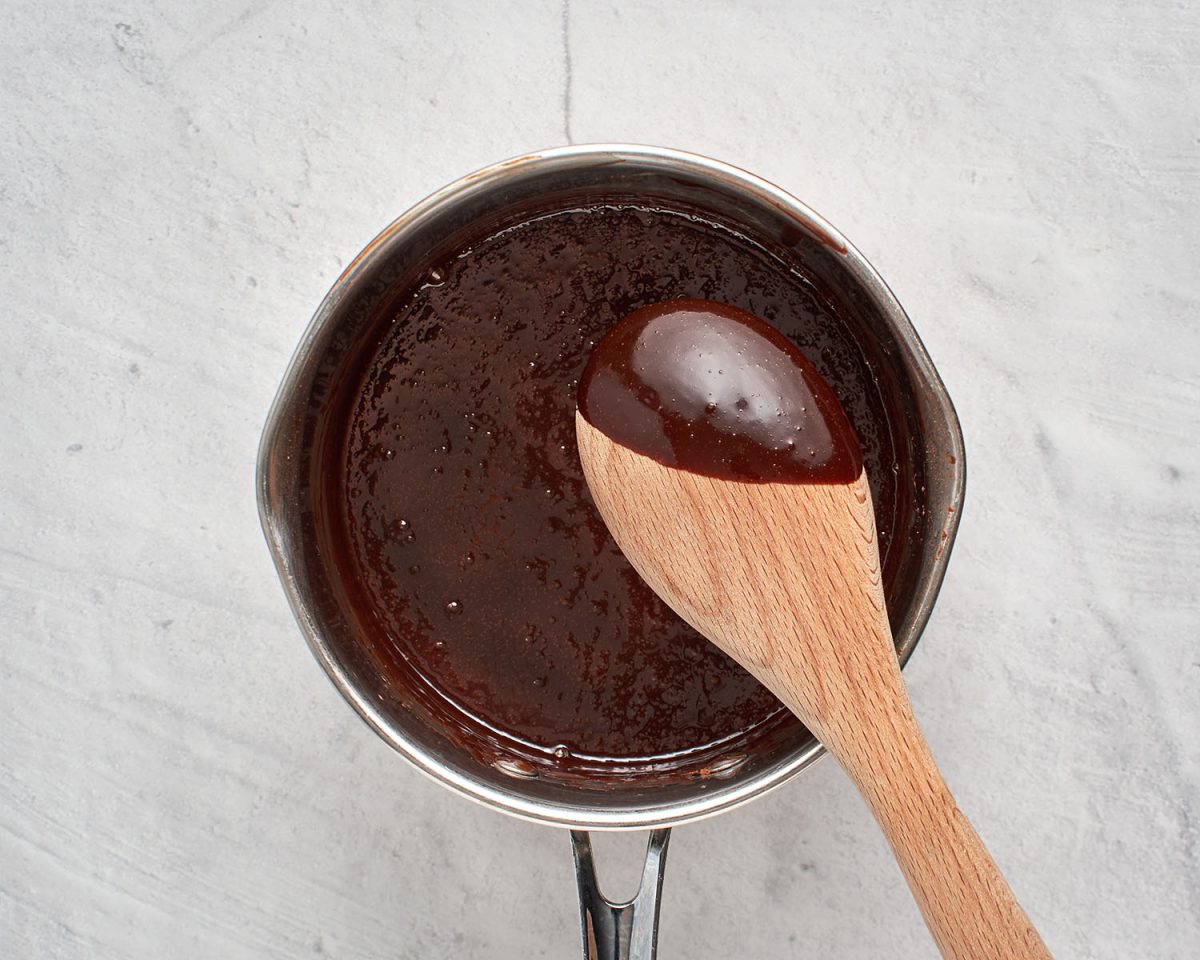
[711, 389]
[452, 510]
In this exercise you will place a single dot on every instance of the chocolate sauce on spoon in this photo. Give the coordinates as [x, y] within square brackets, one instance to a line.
[714, 390]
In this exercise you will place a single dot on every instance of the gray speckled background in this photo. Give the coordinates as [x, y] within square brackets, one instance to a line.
[179, 185]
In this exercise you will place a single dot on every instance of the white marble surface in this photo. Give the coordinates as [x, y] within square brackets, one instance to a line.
[180, 183]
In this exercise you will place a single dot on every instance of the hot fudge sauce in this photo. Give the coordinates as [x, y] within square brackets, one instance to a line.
[452, 508]
[711, 389]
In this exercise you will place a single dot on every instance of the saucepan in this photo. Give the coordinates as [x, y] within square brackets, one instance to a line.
[286, 505]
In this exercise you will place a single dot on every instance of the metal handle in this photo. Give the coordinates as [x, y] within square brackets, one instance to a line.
[620, 931]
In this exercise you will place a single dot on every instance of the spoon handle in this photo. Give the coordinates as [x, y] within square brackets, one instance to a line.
[966, 902]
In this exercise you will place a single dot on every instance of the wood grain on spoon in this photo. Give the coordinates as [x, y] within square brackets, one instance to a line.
[775, 560]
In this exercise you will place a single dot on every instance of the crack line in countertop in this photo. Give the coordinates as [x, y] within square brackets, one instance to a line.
[568, 72]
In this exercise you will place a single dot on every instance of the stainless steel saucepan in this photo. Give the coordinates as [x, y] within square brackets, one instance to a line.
[610, 930]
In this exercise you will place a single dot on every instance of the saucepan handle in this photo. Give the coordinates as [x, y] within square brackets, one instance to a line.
[620, 931]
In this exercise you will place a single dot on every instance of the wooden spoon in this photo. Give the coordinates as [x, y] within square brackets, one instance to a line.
[775, 560]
